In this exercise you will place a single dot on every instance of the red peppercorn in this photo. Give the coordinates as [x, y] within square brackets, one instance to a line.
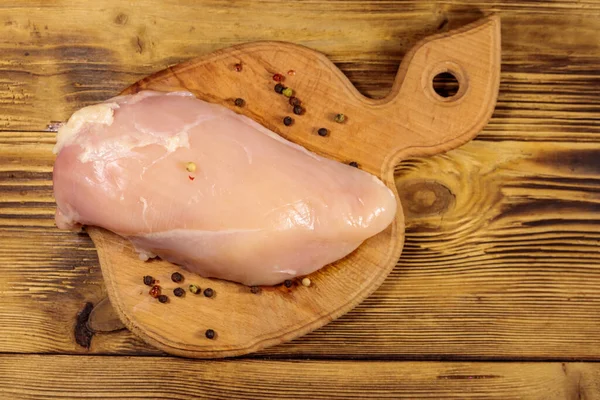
[238, 67]
[155, 291]
[278, 77]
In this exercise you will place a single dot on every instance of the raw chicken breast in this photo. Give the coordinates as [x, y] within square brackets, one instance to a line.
[257, 209]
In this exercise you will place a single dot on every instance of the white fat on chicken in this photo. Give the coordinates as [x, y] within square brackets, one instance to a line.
[257, 209]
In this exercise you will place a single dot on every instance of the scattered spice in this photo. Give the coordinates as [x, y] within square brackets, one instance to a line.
[190, 167]
[291, 72]
[287, 283]
[155, 291]
[194, 289]
[279, 88]
[306, 282]
[178, 292]
[239, 102]
[238, 67]
[176, 277]
[323, 132]
[210, 334]
[339, 118]
[148, 280]
[278, 77]
[287, 92]
[353, 164]
[191, 177]
[163, 298]
[287, 121]
[294, 101]
[255, 289]
[208, 292]
[298, 110]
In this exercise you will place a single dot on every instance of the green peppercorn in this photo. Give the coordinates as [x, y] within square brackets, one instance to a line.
[210, 334]
[287, 121]
[287, 92]
[178, 292]
[323, 132]
[239, 102]
[208, 292]
[148, 280]
[298, 110]
[287, 283]
[163, 299]
[354, 164]
[176, 277]
[279, 88]
[194, 289]
[340, 118]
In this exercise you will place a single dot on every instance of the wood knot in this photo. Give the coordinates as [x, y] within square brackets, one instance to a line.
[422, 198]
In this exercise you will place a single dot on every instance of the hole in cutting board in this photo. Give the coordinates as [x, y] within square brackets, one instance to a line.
[445, 84]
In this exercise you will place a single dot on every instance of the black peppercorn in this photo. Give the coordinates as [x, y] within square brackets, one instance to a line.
[323, 132]
[208, 292]
[287, 121]
[210, 334]
[354, 164]
[178, 292]
[148, 280]
[279, 88]
[239, 102]
[255, 289]
[294, 101]
[162, 298]
[287, 283]
[298, 110]
[176, 277]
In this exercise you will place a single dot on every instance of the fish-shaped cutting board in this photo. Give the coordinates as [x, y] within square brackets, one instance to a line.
[375, 135]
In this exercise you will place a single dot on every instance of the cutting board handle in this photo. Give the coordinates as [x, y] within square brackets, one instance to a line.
[428, 123]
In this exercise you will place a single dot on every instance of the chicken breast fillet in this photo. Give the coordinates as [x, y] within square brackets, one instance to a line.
[256, 209]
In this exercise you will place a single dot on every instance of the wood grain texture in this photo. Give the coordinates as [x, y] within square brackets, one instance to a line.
[501, 261]
[71, 377]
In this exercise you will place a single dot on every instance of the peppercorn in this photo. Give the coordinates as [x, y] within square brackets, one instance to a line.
[287, 92]
[353, 164]
[255, 289]
[208, 292]
[287, 283]
[210, 334]
[277, 77]
[178, 292]
[239, 102]
[190, 167]
[294, 101]
[287, 121]
[148, 280]
[279, 88]
[155, 291]
[176, 277]
[238, 67]
[339, 118]
[323, 132]
[306, 282]
[194, 289]
[298, 110]
[162, 298]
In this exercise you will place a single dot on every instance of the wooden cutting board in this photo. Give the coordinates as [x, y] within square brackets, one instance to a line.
[413, 120]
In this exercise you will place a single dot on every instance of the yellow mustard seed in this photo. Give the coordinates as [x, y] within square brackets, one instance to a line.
[306, 282]
[191, 167]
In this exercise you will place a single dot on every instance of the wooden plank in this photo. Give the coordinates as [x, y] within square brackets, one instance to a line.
[501, 260]
[57, 59]
[66, 377]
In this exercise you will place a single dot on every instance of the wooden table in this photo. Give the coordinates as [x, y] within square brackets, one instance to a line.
[497, 294]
